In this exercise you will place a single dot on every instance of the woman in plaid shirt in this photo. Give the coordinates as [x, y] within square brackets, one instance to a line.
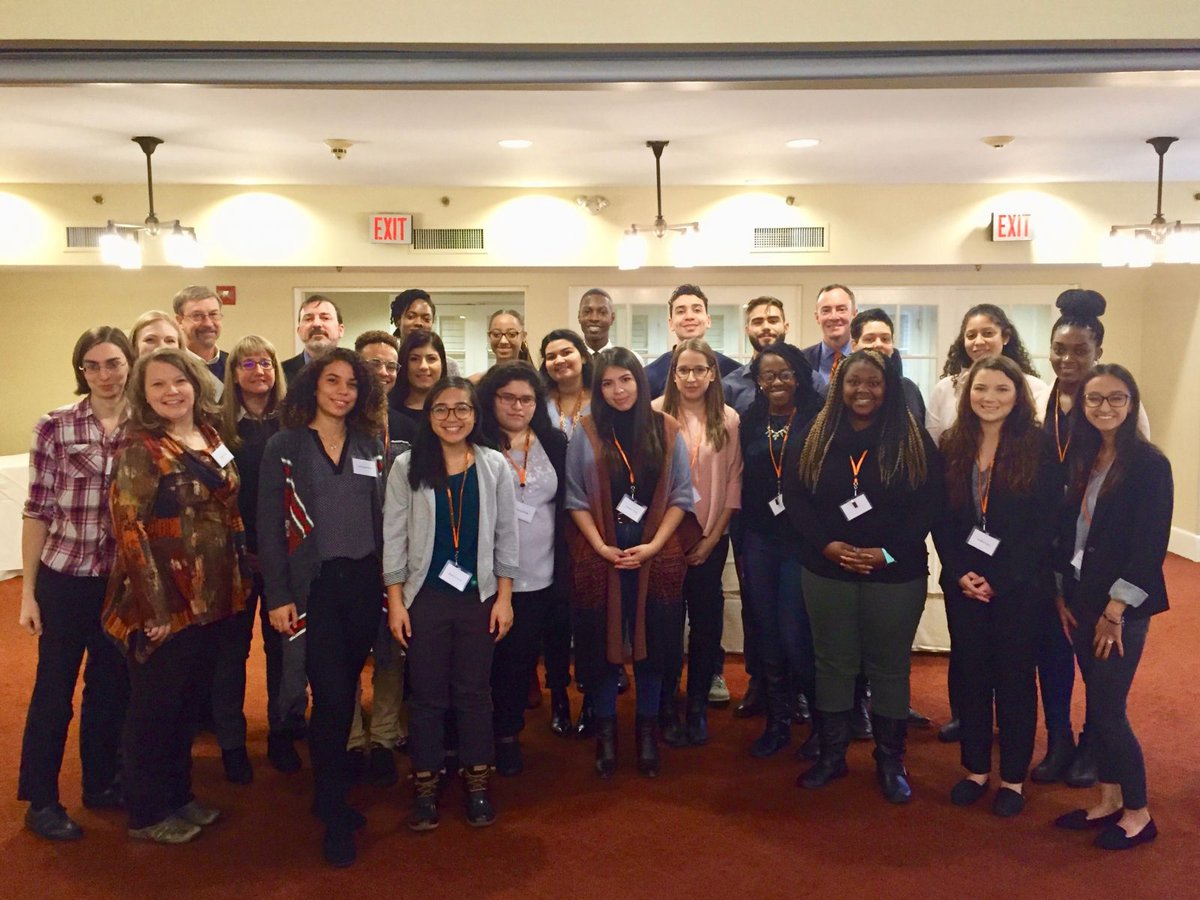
[67, 553]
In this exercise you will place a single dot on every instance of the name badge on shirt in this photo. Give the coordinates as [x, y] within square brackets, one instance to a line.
[455, 576]
[525, 511]
[776, 505]
[983, 542]
[1077, 562]
[631, 509]
[221, 455]
[366, 467]
[695, 495]
[855, 507]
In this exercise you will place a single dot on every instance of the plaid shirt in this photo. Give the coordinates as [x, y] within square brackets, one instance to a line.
[70, 467]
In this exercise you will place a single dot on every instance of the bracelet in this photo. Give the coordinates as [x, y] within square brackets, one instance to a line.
[1112, 621]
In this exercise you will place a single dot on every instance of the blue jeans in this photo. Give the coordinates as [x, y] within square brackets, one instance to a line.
[772, 575]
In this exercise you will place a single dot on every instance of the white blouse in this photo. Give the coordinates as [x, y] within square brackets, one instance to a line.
[942, 408]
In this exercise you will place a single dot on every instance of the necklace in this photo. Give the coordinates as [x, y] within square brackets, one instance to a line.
[575, 416]
[775, 434]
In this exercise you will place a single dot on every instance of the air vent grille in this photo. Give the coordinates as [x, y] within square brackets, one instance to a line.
[447, 238]
[799, 239]
[87, 237]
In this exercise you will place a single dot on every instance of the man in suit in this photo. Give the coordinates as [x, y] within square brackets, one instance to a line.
[835, 309]
[873, 328]
[687, 317]
[320, 328]
[198, 314]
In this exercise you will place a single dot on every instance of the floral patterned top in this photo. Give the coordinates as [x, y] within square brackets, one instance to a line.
[180, 539]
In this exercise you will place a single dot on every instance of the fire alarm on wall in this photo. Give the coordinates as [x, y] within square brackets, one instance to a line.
[228, 294]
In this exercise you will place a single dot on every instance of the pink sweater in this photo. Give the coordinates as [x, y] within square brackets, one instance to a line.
[716, 476]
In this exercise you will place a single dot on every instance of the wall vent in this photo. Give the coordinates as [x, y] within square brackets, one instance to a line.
[447, 239]
[87, 237]
[799, 239]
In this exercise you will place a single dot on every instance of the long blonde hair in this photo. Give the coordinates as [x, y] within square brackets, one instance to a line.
[714, 396]
[231, 400]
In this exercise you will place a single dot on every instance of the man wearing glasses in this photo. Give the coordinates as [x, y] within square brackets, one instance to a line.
[320, 328]
[198, 313]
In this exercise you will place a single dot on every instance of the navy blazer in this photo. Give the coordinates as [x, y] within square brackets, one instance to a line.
[1128, 538]
[291, 367]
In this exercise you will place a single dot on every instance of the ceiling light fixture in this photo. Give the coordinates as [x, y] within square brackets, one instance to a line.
[515, 144]
[592, 204]
[119, 244]
[631, 253]
[1137, 246]
[802, 143]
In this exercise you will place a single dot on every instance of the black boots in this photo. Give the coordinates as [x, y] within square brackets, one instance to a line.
[648, 762]
[1060, 750]
[834, 731]
[811, 748]
[753, 702]
[669, 719]
[560, 712]
[778, 732]
[424, 815]
[508, 756]
[1084, 770]
[480, 811]
[586, 726]
[860, 714]
[889, 758]
[697, 720]
[606, 745]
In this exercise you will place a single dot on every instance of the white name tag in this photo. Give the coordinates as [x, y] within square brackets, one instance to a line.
[525, 511]
[221, 455]
[855, 507]
[631, 509]
[983, 542]
[776, 505]
[366, 467]
[108, 465]
[1077, 562]
[695, 495]
[458, 578]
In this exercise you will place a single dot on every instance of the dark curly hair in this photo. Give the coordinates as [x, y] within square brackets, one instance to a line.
[566, 334]
[367, 414]
[1083, 309]
[958, 360]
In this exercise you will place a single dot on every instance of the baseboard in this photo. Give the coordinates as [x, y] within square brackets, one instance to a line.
[1185, 544]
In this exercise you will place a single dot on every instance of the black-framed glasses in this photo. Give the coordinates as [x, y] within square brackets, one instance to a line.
[787, 376]
[513, 335]
[380, 365]
[109, 365]
[516, 399]
[1117, 400]
[443, 411]
[686, 372]
[250, 365]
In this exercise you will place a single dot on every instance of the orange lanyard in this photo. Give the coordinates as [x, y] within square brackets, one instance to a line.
[621, 450]
[985, 490]
[575, 416]
[856, 467]
[778, 465]
[456, 519]
[1062, 448]
[522, 470]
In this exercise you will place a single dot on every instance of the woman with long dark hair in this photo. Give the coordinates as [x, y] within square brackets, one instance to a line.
[784, 403]
[864, 496]
[179, 573]
[514, 419]
[994, 540]
[1113, 539]
[450, 557]
[67, 553]
[628, 490]
[320, 541]
[694, 397]
[422, 361]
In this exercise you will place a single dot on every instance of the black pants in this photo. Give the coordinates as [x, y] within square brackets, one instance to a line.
[450, 667]
[994, 654]
[70, 610]
[343, 620]
[166, 693]
[516, 658]
[1108, 681]
[704, 601]
[229, 676]
[556, 644]
[285, 715]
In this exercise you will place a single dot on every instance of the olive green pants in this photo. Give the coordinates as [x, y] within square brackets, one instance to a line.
[867, 627]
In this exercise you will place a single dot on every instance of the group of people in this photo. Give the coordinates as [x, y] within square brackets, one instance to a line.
[376, 503]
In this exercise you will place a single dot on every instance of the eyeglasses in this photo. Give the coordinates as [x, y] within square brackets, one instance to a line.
[1116, 401]
[197, 318]
[787, 376]
[461, 411]
[512, 335]
[380, 365]
[250, 365]
[685, 372]
[109, 365]
[516, 399]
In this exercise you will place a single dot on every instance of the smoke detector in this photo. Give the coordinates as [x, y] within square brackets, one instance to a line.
[998, 141]
[338, 147]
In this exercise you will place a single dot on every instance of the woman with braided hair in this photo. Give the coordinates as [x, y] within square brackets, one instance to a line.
[863, 497]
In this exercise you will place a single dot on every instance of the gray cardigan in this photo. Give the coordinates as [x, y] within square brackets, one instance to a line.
[409, 521]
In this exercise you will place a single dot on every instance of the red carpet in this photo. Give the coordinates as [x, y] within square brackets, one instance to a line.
[717, 823]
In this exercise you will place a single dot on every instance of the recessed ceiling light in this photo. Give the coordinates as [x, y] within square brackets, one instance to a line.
[802, 143]
[515, 144]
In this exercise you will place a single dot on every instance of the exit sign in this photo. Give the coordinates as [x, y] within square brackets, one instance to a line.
[1012, 227]
[391, 228]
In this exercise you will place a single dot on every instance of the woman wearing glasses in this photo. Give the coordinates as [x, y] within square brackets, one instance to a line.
[67, 552]
[515, 420]
[506, 338]
[1112, 543]
[450, 557]
[628, 490]
[320, 540]
[710, 430]
[784, 403]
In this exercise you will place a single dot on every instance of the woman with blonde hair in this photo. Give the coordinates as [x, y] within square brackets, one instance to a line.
[153, 329]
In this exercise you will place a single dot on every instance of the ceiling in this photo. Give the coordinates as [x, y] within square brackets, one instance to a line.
[593, 137]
